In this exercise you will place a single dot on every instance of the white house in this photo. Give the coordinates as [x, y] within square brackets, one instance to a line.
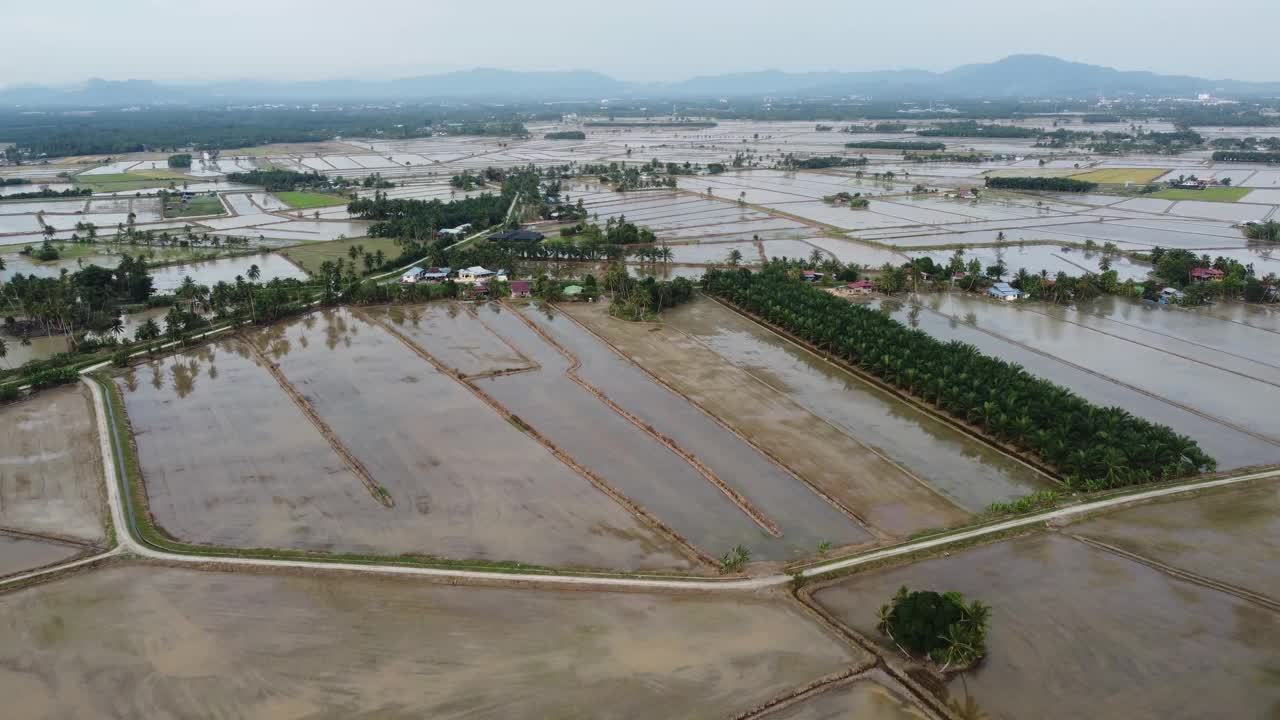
[475, 274]
[1004, 291]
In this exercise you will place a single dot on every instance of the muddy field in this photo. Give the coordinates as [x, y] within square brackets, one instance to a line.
[968, 472]
[1231, 536]
[19, 553]
[229, 459]
[804, 518]
[1078, 632]
[246, 646]
[50, 470]
[871, 696]
[621, 453]
[869, 485]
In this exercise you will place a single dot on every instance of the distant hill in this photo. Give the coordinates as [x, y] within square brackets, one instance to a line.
[1014, 76]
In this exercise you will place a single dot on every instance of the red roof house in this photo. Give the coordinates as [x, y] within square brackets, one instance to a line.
[1207, 273]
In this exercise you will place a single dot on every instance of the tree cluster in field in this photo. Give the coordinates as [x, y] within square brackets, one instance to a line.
[8, 182]
[643, 299]
[420, 220]
[180, 161]
[665, 125]
[565, 135]
[1239, 280]
[513, 128]
[74, 304]
[1255, 156]
[881, 127]
[1268, 231]
[281, 180]
[971, 129]
[1049, 184]
[616, 231]
[854, 200]
[1092, 447]
[941, 627]
[896, 145]
[820, 162]
[47, 193]
[173, 130]
[946, 157]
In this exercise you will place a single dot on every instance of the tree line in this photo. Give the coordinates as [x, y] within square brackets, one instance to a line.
[980, 130]
[1092, 447]
[565, 135]
[280, 180]
[1051, 184]
[896, 145]
[1253, 156]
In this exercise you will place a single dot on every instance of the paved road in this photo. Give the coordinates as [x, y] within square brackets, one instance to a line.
[128, 544]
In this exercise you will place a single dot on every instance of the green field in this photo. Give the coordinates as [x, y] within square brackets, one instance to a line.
[123, 182]
[310, 256]
[1140, 176]
[307, 200]
[1212, 194]
[195, 207]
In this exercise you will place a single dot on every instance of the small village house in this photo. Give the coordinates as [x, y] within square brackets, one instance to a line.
[521, 289]
[475, 274]
[1204, 274]
[1004, 291]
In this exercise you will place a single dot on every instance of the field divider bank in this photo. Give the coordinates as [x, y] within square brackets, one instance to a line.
[876, 382]
[847, 512]
[377, 491]
[617, 496]
[1246, 595]
[734, 496]
[1181, 406]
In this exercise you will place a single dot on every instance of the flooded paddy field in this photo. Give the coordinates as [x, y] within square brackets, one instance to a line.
[1165, 368]
[465, 482]
[223, 470]
[247, 646]
[902, 442]
[1079, 632]
[624, 455]
[210, 272]
[1230, 535]
[50, 470]
[20, 553]
[804, 518]
[454, 334]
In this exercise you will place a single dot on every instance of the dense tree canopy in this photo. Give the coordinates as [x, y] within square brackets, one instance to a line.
[897, 145]
[1051, 184]
[1092, 447]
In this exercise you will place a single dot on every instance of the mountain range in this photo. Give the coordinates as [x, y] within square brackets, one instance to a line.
[1016, 76]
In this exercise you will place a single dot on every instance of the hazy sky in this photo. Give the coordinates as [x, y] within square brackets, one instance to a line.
[70, 40]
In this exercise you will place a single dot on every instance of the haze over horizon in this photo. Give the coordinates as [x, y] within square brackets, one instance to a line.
[320, 39]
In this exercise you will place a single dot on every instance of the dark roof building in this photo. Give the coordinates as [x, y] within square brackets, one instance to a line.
[517, 236]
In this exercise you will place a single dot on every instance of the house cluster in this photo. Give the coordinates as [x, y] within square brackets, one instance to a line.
[861, 287]
[1205, 274]
[428, 274]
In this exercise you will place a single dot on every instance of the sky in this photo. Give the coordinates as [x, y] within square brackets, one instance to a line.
[191, 40]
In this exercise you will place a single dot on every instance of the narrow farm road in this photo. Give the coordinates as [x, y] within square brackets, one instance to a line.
[130, 544]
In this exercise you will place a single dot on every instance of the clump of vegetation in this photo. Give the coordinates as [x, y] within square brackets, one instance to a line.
[971, 129]
[275, 180]
[180, 161]
[566, 135]
[940, 627]
[791, 162]
[643, 299]
[1050, 184]
[896, 145]
[854, 200]
[1246, 156]
[735, 559]
[1268, 231]
[1040, 500]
